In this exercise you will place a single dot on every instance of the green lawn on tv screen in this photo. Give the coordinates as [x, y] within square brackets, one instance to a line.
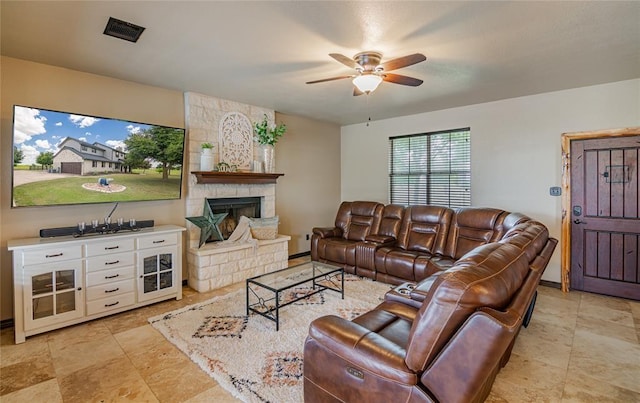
[139, 186]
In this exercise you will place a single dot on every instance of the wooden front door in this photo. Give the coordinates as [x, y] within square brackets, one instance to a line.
[605, 216]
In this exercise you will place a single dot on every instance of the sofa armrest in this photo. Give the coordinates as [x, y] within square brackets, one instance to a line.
[421, 290]
[465, 369]
[380, 240]
[366, 350]
[328, 232]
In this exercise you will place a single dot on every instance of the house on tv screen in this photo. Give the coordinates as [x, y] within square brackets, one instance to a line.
[82, 158]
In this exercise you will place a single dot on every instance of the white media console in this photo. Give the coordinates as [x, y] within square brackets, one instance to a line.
[64, 281]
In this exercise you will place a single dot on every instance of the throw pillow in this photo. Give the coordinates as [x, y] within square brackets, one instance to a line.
[264, 228]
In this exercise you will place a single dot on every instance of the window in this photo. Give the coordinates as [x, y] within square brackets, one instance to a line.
[94, 164]
[432, 168]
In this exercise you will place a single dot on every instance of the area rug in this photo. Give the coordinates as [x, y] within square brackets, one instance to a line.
[246, 355]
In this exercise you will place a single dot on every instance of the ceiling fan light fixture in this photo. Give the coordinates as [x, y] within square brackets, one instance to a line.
[367, 83]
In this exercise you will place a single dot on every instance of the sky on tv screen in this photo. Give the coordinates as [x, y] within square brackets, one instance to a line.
[39, 130]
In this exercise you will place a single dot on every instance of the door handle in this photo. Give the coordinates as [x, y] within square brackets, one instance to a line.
[578, 221]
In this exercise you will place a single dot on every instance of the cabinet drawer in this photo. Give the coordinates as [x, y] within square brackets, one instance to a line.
[114, 245]
[109, 276]
[110, 289]
[106, 262]
[154, 241]
[110, 303]
[53, 254]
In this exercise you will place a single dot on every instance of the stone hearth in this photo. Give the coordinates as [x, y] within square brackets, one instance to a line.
[215, 266]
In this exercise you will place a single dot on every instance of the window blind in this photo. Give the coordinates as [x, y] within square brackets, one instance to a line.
[431, 168]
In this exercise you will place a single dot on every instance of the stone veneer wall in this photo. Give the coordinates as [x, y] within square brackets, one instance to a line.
[217, 265]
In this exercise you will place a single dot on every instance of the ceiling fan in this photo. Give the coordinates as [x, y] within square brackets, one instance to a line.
[370, 72]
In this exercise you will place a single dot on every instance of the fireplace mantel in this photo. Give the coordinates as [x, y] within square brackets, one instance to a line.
[249, 178]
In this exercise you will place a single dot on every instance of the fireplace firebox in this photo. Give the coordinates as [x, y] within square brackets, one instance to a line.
[235, 207]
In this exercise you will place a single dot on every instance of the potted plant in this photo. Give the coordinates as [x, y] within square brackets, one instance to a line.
[267, 135]
[206, 157]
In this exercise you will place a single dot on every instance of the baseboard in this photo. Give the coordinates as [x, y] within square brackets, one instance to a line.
[297, 255]
[551, 284]
[6, 323]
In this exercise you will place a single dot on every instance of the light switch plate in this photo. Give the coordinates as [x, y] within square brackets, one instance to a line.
[555, 191]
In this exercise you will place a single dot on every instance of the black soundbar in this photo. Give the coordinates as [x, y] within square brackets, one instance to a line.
[101, 230]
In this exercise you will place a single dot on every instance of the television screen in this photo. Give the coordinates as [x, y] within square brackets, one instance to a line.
[61, 158]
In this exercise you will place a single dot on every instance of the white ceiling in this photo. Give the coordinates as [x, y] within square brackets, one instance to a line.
[263, 52]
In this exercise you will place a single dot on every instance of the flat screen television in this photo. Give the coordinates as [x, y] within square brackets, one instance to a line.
[62, 158]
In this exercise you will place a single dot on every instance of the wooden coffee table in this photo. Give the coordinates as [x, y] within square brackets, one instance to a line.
[267, 293]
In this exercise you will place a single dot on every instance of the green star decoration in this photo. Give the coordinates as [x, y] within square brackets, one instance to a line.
[209, 224]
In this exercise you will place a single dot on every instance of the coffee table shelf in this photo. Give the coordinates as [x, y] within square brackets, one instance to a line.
[266, 294]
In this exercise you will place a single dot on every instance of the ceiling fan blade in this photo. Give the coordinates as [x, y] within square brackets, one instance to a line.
[328, 79]
[347, 61]
[403, 61]
[404, 80]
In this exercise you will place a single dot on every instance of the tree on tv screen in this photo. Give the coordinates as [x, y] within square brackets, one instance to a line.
[45, 159]
[18, 156]
[162, 144]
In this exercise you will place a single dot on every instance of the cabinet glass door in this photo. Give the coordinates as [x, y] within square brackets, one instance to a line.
[52, 295]
[157, 276]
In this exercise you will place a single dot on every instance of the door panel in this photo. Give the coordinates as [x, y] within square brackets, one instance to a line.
[605, 238]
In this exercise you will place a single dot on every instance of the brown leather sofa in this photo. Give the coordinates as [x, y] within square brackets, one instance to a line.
[444, 334]
[395, 244]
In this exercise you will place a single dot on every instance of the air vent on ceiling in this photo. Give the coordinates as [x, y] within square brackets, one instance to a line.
[123, 30]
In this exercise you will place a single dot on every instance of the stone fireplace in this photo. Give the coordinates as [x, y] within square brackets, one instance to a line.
[218, 264]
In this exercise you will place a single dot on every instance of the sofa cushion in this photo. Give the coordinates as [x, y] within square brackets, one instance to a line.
[486, 277]
[358, 219]
[395, 263]
[391, 320]
[424, 229]
[472, 227]
[513, 219]
[338, 250]
[391, 219]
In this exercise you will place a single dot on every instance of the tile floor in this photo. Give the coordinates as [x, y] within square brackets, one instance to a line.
[579, 347]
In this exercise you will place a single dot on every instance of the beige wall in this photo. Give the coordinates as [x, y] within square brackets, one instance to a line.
[43, 86]
[515, 147]
[308, 194]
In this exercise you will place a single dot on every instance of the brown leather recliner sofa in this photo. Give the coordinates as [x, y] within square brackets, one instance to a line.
[468, 281]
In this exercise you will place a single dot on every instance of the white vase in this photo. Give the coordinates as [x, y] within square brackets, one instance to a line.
[206, 159]
[268, 158]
